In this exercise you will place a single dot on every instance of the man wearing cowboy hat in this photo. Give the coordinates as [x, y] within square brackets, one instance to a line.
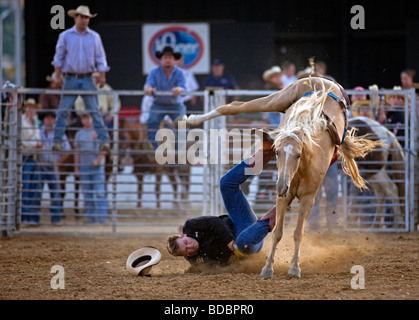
[78, 54]
[166, 77]
[31, 140]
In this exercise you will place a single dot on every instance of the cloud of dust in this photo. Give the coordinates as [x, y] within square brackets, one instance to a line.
[319, 253]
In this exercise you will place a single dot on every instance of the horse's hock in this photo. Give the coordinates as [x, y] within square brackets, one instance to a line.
[158, 198]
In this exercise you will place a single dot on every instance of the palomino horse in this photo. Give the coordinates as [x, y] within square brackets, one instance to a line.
[375, 164]
[144, 161]
[314, 124]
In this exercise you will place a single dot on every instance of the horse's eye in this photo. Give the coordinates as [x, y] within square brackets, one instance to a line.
[276, 153]
[298, 156]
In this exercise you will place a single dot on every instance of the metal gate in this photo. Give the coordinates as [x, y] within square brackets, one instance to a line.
[9, 164]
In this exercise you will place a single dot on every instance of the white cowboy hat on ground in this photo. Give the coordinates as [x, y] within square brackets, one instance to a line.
[82, 10]
[139, 262]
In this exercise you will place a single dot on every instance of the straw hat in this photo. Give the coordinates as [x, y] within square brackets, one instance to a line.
[52, 77]
[268, 74]
[82, 10]
[31, 103]
[139, 262]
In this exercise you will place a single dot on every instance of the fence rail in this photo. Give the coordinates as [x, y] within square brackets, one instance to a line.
[140, 191]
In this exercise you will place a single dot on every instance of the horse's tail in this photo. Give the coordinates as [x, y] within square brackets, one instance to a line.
[353, 148]
[398, 163]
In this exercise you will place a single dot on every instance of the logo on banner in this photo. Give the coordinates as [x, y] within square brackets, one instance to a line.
[182, 40]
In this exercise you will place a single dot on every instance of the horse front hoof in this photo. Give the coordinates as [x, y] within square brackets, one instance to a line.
[192, 120]
[294, 272]
[267, 273]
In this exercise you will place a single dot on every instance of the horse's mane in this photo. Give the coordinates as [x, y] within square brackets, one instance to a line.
[305, 116]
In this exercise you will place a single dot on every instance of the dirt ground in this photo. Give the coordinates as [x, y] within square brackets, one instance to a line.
[94, 269]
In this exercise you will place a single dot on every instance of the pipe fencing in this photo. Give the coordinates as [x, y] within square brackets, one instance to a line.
[140, 191]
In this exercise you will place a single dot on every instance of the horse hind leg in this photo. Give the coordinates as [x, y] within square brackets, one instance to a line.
[268, 271]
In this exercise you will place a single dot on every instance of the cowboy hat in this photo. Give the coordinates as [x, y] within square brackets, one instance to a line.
[271, 72]
[168, 50]
[81, 10]
[52, 77]
[31, 102]
[139, 262]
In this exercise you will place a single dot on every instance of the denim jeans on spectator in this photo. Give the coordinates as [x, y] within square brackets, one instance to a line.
[93, 183]
[157, 113]
[67, 103]
[49, 176]
[31, 190]
[248, 231]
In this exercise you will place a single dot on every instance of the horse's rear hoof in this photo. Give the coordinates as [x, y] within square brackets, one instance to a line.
[294, 272]
[267, 273]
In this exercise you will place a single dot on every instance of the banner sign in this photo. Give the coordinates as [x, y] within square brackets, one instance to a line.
[190, 39]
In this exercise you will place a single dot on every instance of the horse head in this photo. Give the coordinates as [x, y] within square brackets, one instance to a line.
[288, 152]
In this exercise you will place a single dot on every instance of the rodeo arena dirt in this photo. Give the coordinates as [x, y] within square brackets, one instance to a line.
[372, 252]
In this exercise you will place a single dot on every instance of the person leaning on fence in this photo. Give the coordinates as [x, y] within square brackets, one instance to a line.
[79, 53]
[213, 240]
[31, 141]
[166, 77]
[91, 169]
[49, 162]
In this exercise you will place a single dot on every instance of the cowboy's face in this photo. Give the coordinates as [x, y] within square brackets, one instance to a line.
[187, 246]
[81, 21]
[168, 61]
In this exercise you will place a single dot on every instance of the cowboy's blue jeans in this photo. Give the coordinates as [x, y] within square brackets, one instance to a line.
[67, 103]
[157, 114]
[248, 230]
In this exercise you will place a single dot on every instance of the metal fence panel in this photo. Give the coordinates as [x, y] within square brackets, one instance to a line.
[140, 191]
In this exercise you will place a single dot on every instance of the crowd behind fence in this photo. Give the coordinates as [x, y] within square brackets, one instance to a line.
[140, 191]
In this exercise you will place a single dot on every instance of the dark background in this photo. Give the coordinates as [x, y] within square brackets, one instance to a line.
[249, 36]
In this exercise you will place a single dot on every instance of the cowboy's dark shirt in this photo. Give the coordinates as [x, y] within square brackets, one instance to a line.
[213, 235]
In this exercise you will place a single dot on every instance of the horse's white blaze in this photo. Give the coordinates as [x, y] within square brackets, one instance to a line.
[287, 149]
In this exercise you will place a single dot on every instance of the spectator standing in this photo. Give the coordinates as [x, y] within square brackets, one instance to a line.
[273, 81]
[289, 73]
[407, 79]
[191, 85]
[90, 166]
[48, 163]
[218, 78]
[79, 53]
[166, 77]
[51, 101]
[31, 140]
[320, 67]
[106, 102]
